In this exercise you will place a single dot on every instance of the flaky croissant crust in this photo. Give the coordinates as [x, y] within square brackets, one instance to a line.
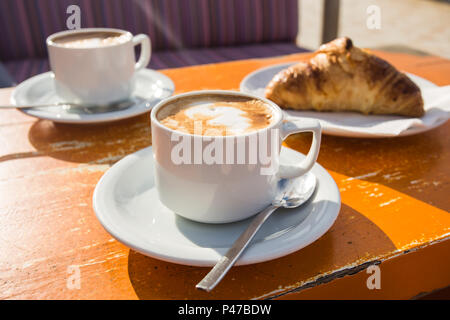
[342, 77]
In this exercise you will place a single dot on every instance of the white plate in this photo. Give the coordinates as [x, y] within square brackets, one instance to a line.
[126, 204]
[150, 85]
[256, 82]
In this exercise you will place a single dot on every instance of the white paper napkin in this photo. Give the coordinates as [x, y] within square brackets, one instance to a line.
[436, 105]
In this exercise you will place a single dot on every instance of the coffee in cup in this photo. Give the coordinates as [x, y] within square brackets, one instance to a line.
[217, 117]
[93, 39]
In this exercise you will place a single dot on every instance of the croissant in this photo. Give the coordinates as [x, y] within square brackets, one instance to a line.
[341, 77]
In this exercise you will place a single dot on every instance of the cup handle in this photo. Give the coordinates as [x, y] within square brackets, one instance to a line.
[295, 125]
[146, 50]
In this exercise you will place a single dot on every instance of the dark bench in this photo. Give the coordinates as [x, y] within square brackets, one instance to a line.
[183, 32]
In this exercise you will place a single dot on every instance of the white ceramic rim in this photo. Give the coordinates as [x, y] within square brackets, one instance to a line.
[277, 110]
[336, 132]
[51, 43]
[206, 256]
[87, 118]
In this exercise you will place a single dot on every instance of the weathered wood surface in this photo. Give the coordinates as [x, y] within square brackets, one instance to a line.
[395, 203]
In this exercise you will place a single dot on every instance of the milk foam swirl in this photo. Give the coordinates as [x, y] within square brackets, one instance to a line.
[220, 118]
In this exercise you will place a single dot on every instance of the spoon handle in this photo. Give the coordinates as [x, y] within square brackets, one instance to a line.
[227, 261]
[34, 106]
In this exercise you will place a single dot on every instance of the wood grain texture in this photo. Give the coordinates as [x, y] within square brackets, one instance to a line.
[394, 193]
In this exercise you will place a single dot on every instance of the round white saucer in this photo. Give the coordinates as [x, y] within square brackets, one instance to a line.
[337, 123]
[150, 85]
[126, 204]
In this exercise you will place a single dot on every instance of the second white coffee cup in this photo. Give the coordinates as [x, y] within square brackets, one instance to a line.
[96, 74]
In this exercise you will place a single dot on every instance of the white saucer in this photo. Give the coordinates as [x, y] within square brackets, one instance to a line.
[150, 85]
[126, 204]
[339, 123]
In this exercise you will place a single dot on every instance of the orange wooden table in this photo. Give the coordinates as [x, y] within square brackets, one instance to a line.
[395, 203]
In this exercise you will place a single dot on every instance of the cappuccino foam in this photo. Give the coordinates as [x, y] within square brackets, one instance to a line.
[91, 39]
[219, 118]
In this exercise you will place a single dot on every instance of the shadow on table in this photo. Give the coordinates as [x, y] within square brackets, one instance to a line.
[414, 165]
[96, 143]
[352, 239]
[280, 224]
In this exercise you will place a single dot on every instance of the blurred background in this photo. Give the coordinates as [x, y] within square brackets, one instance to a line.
[190, 32]
[411, 26]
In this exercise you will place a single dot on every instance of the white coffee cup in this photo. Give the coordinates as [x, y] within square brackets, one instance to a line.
[96, 74]
[224, 192]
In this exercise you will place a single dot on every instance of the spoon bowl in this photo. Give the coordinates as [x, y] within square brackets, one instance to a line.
[294, 192]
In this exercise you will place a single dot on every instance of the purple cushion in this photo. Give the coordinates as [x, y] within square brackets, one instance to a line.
[171, 24]
[25, 68]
